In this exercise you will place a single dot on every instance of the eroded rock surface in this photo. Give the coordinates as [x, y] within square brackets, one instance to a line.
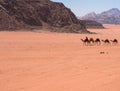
[38, 14]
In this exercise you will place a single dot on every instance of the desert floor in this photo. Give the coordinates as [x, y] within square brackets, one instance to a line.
[31, 61]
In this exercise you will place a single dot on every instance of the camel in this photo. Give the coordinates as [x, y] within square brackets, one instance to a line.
[85, 41]
[115, 41]
[91, 41]
[106, 41]
[97, 41]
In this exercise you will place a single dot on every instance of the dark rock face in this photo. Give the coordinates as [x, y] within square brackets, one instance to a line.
[29, 14]
[92, 24]
[111, 16]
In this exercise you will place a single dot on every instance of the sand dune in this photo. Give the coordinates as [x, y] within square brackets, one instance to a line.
[32, 61]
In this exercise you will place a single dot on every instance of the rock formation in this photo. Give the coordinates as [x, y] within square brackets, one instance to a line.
[38, 14]
[111, 16]
[92, 24]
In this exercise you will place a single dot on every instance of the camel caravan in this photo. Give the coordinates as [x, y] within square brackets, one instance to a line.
[91, 41]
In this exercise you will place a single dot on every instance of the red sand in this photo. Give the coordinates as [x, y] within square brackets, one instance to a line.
[32, 61]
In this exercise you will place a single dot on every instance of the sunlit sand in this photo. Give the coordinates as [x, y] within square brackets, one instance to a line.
[31, 61]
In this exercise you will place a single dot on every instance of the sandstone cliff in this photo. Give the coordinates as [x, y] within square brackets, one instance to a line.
[38, 14]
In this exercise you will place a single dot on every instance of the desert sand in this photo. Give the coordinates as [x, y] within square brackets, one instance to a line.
[31, 61]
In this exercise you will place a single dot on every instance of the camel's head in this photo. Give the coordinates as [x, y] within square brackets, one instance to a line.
[86, 37]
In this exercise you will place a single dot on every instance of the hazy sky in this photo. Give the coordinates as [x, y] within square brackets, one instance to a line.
[82, 7]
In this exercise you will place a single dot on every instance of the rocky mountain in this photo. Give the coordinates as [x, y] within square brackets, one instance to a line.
[111, 16]
[92, 24]
[38, 14]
